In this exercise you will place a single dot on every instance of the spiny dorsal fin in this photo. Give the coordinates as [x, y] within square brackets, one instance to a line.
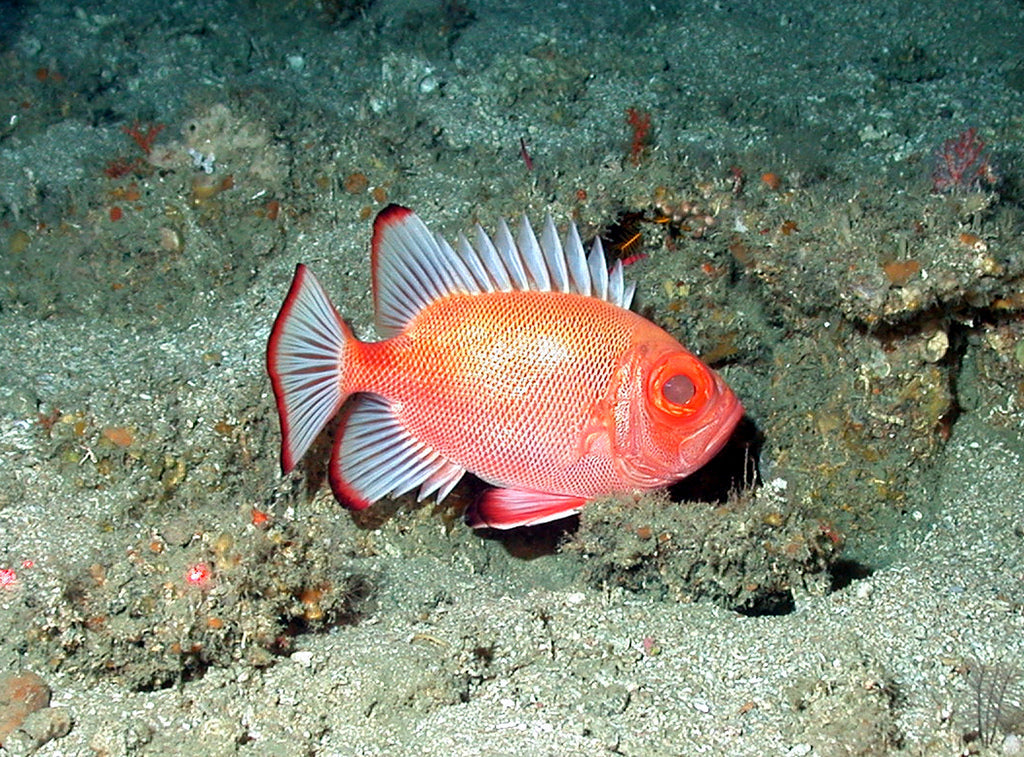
[412, 267]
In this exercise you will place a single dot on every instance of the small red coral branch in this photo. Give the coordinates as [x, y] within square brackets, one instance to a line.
[525, 154]
[640, 122]
[119, 167]
[144, 139]
[962, 165]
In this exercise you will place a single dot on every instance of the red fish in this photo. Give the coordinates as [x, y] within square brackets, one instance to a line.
[513, 358]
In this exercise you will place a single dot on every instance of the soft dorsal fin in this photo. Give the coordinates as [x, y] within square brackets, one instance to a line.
[412, 267]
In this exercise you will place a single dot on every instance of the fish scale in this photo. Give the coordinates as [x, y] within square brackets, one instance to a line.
[506, 424]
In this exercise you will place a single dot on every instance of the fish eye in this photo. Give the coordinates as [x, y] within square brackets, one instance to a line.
[680, 386]
[678, 390]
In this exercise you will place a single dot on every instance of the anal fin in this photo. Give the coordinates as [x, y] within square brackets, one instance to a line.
[375, 456]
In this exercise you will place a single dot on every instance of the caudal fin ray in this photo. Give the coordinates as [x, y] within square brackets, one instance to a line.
[305, 362]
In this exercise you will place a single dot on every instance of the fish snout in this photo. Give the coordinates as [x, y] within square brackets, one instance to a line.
[712, 428]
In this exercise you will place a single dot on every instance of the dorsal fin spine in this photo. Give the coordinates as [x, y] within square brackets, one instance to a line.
[615, 283]
[577, 261]
[475, 265]
[506, 247]
[533, 257]
[598, 270]
[554, 255]
[492, 261]
[460, 272]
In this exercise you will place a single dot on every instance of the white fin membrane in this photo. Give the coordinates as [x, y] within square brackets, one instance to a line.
[304, 360]
[374, 456]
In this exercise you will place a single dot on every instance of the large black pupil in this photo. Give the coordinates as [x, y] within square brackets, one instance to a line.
[678, 390]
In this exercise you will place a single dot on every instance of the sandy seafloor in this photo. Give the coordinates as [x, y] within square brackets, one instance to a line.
[870, 320]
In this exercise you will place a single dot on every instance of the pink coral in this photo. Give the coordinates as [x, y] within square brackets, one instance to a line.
[962, 164]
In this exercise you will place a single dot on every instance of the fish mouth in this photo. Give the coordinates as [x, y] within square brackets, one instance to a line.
[723, 414]
[728, 422]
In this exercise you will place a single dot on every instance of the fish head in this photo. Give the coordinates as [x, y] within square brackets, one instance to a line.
[673, 413]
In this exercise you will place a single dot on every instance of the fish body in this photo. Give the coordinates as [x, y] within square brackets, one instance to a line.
[515, 359]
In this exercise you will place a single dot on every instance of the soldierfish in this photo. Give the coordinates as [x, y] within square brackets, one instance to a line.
[513, 358]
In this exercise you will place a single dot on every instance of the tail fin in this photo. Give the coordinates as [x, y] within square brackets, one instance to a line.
[306, 363]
